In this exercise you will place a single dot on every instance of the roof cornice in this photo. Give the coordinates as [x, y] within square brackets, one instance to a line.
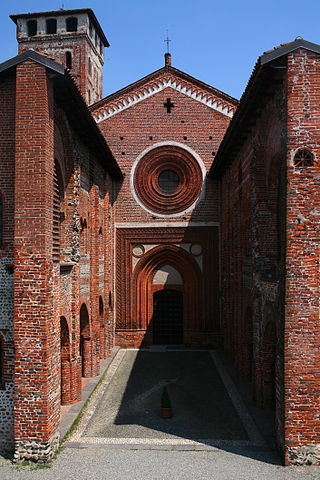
[166, 77]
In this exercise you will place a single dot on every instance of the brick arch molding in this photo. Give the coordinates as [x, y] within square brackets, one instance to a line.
[168, 156]
[142, 290]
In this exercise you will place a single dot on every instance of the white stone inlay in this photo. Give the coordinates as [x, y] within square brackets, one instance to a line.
[167, 275]
[158, 85]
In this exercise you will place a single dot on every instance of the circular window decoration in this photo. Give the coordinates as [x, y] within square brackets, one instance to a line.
[138, 251]
[303, 158]
[168, 179]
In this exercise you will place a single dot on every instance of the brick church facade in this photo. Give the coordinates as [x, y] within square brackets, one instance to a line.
[165, 213]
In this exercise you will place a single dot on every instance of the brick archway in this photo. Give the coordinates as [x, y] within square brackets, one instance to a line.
[65, 362]
[142, 289]
[85, 342]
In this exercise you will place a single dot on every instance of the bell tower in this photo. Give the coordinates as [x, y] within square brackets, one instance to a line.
[71, 37]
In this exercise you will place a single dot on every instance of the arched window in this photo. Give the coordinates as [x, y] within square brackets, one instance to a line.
[1, 222]
[32, 27]
[72, 24]
[303, 158]
[68, 60]
[100, 306]
[51, 25]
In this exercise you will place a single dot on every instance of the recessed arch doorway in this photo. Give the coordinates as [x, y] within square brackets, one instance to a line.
[165, 295]
[167, 319]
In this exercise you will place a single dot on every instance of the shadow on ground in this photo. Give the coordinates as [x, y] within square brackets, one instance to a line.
[202, 408]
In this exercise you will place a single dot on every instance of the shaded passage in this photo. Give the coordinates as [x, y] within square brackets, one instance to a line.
[202, 408]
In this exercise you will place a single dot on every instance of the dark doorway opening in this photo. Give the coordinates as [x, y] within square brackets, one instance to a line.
[168, 317]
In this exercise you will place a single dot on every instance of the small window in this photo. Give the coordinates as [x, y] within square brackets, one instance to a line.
[68, 60]
[303, 158]
[51, 26]
[32, 28]
[90, 69]
[91, 30]
[72, 24]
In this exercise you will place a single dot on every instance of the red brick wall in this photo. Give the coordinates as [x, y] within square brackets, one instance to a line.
[7, 129]
[37, 360]
[49, 291]
[302, 341]
[129, 133]
[81, 51]
[252, 202]
[149, 118]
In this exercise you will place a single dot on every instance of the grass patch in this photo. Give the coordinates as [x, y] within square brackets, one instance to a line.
[41, 466]
[79, 417]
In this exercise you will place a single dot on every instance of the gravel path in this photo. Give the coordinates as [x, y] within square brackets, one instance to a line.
[115, 440]
[123, 463]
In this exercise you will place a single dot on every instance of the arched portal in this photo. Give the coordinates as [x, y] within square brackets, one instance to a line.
[65, 362]
[85, 344]
[162, 268]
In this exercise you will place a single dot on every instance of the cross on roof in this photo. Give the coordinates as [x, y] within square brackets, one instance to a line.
[168, 105]
[167, 42]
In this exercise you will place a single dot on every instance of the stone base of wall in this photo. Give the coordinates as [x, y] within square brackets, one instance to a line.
[303, 455]
[36, 451]
[143, 338]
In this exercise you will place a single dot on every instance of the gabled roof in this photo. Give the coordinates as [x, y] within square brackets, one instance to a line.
[286, 48]
[153, 83]
[69, 97]
[55, 13]
[251, 98]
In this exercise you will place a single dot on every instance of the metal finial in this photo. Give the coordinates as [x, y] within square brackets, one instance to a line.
[167, 42]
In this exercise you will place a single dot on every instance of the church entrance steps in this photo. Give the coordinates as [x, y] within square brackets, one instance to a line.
[208, 412]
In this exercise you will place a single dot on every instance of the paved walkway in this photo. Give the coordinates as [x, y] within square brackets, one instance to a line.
[121, 435]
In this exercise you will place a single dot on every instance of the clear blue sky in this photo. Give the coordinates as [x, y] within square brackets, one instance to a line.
[217, 42]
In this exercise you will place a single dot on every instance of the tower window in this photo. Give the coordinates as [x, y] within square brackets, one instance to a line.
[91, 30]
[68, 60]
[32, 27]
[51, 25]
[72, 24]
